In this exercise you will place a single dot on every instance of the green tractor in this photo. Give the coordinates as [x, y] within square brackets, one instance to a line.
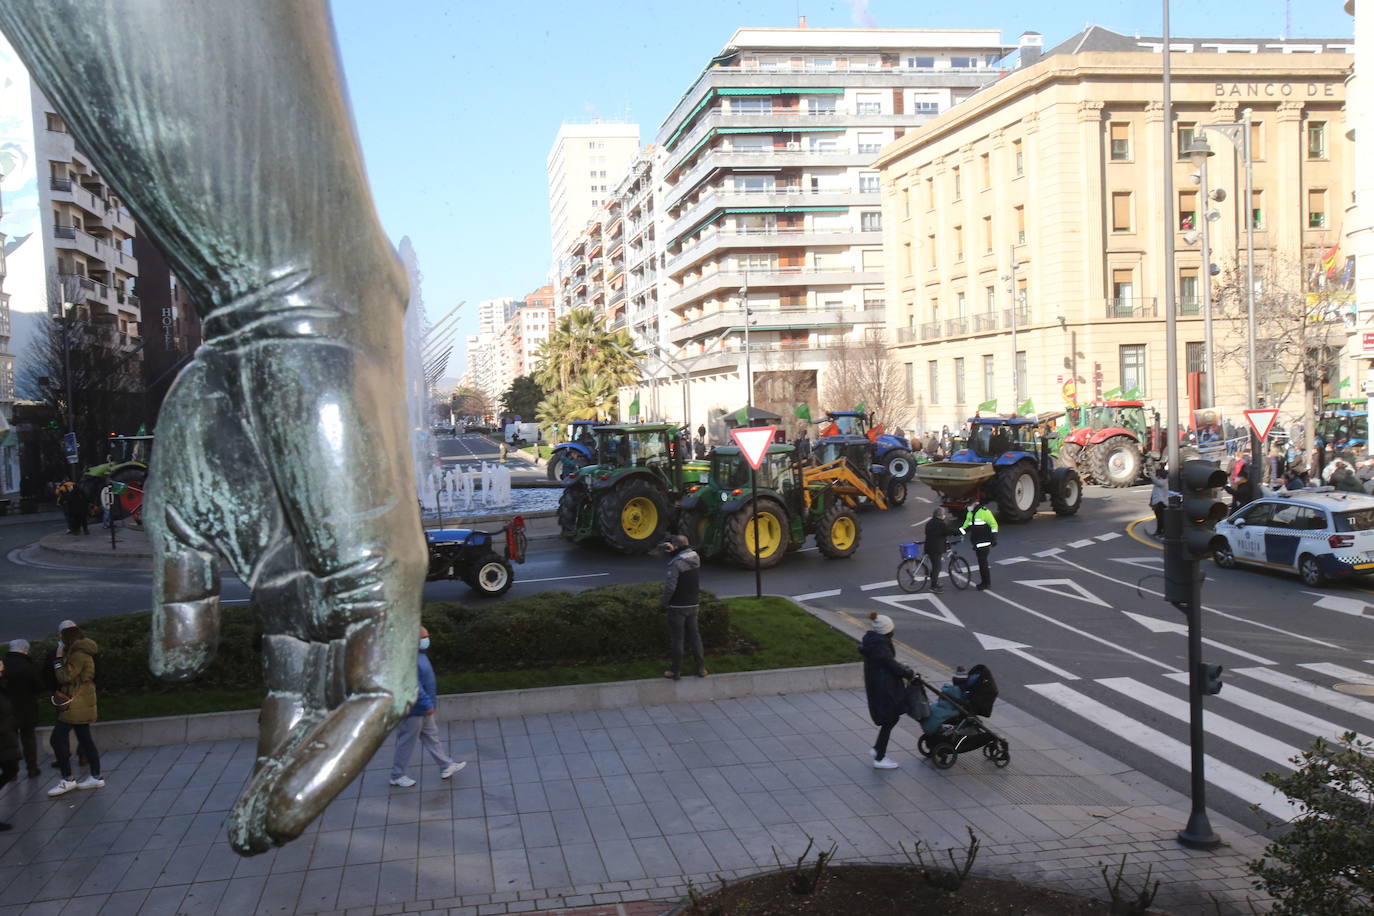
[125, 473]
[627, 498]
[718, 515]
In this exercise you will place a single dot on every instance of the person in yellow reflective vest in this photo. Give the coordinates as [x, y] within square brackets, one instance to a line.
[980, 526]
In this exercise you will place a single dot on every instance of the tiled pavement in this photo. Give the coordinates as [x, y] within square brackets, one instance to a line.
[597, 808]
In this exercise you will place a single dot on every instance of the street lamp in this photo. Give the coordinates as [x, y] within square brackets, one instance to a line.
[748, 350]
[1015, 306]
[1199, 152]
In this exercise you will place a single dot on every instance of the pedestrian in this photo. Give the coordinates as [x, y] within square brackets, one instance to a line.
[1277, 464]
[21, 688]
[1159, 498]
[9, 743]
[803, 445]
[420, 724]
[74, 671]
[883, 677]
[702, 447]
[938, 530]
[1345, 481]
[681, 602]
[981, 527]
[1242, 490]
[505, 448]
[75, 507]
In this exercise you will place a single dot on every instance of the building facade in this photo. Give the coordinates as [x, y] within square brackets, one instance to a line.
[1359, 217]
[1026, 234]
[583, 168]
[527, 328]
[768, 199]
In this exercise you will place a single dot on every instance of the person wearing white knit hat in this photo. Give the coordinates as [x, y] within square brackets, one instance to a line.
[883, 682]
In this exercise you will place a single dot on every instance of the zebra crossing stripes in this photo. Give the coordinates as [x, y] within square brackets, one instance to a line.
[1323, 695]
[1220, 774]
[1339, 671]
[1253, 702]
[1220, 726]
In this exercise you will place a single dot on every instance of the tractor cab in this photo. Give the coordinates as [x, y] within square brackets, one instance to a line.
[855, 449]
[577, 452]
[1344, 432]
[651, 446]
[891, 451]
[1001, 440]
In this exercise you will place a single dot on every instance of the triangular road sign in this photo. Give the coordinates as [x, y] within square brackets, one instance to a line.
[753, 441]
[1066, 588]
[1261, 421]
[938, 609]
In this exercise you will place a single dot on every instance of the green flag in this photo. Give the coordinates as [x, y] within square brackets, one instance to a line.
[803, 412]
[1111, 394]
[988, 406]
[1131, 395]
[634, 407]
[142, 430]
[862, 407]
[1343, 383]
[742, 417]
[1027, 409]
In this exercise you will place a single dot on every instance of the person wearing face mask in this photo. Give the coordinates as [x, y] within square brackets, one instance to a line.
[420, 724]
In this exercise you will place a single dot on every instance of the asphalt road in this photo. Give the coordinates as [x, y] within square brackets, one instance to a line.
[1073, 628]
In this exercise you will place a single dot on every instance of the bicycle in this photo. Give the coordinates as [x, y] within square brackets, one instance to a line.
[913, 573]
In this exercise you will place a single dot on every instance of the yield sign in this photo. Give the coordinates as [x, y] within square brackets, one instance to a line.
[1261, 421]
[753, 441]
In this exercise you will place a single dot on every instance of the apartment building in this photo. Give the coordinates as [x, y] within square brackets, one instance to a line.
[583, 166]
[1026, 232]
[1359, 217]
[527, 327]
[767, 196]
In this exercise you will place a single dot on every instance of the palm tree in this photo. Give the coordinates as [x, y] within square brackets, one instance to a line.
[591, 396]
[581, 345]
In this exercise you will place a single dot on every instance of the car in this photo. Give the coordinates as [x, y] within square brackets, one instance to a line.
[1321, 534]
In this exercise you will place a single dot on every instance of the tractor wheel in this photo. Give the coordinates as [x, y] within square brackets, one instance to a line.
[1066, 493]
[490, 576]
[692, 524]
[900, 465]
[1071, 453]
[838, 534]
[772, 533]
[1116, 462]
[895, 492]
[633, 516]
[571, 505]
[555, 465]
[1018, 493]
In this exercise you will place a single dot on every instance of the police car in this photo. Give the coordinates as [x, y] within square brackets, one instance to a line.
[1321, 534]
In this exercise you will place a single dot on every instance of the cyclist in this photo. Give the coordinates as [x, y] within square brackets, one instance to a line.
[938, 530]
[981, 526]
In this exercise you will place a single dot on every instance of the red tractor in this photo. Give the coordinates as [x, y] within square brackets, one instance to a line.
[1111, 444]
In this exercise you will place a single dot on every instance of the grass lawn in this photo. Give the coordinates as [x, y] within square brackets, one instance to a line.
[785, 635]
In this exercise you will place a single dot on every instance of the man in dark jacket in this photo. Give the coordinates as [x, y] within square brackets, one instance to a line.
[420, 724]
[681, 601]
[21, 687]
[883, 677]
[938, 530]
[9, 742]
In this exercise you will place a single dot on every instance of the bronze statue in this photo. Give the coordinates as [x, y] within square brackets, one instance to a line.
[283, 445]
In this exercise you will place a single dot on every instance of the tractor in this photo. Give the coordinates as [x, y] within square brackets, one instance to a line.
[578, 452]
[894, 453]
[1006, 461]
[1343, 430]
[627, 498]
[718, 515]
[1112, 444]
[879, 488]
[470, 555]
[125, 474]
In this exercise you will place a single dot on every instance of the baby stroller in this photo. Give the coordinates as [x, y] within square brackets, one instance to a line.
[952, 726]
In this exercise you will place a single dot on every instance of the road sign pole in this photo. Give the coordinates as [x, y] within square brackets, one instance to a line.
[754, 503]
[1198, 833]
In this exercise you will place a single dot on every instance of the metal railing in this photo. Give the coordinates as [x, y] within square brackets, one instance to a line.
[1022, 315]
[956, 326]
[1189, 307]
[930, 330]
[1130, 308]
[906, 334]
[986, 321]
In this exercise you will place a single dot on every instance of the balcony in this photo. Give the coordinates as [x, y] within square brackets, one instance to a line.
[1124, 307]
[930, 330]
[797, 157]
[1189, 307]
[768, 319]
[1022, 316]
[985, 321]
[714, 198]
[712, 241]
[733, 279]
[906, 334]
[956, 327]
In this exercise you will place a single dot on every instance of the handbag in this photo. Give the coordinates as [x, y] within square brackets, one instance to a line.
[916, 704]
[61, 700]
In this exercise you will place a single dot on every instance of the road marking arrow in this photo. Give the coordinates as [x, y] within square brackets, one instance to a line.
[938, 611]
[992, 643]
[1053, 586]
[1341, 605]
[1155, 625]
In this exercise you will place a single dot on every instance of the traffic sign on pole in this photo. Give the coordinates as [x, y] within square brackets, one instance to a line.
[1261, 421]
[753, 441]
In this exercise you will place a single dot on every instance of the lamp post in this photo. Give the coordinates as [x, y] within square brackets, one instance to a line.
[1015, 306]
[1199, 152]
[748, 350]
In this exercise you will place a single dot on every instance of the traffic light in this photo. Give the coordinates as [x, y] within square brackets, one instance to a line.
[1202, 509]
[1209, 677]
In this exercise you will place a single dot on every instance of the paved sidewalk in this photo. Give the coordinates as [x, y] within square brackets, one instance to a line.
[600, 808]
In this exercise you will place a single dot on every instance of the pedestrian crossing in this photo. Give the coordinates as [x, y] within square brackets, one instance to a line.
[1255, 726]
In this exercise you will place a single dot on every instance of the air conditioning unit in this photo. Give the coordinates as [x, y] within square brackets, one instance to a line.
[793, 145]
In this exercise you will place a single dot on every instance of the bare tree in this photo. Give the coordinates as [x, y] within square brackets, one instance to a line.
[783, 384]
[862, 372]
[472, 402]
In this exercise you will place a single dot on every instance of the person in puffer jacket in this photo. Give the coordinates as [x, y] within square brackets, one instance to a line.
[74, 671]
[883, 682]
[681, 602]
[420, 725]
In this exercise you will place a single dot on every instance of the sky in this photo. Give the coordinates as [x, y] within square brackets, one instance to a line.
[457, 104]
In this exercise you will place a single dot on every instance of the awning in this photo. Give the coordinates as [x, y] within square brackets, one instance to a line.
[706, 99]
[780, 129]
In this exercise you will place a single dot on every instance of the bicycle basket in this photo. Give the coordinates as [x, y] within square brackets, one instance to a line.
[911, 550]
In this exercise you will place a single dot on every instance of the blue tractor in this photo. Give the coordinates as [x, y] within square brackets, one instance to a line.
[1006, 461]
[892, 452]
[577, 453]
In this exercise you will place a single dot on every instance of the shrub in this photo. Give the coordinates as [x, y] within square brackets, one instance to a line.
[1325, 863]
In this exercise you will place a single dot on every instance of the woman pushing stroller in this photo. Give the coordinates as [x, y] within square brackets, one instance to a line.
[884, 682]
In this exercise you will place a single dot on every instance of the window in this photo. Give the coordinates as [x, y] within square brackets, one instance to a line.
[1020, 225]
[751, 182]
[1020, 370]
[1121, 141]
[930, 251]
[759, 261]
[874, 300]
[907, 264]
[1186, 130]
[985, 169]
[1121, 211]
[825, 105]
[934, 367]
[989, 377]
[958, 243]
[1316, 139]
[868, 103]
[1187, 210]
[921, 63]
[1316, 208]
[1257, 209]
[909, 382]
[870, 142]
[958, 183]
[822, 63]
[1017, 158]
[1189, 301]
[987, 234]
[1133, 367]
[961, 306]
[959, 380]
[1123, 293]
[871, 221]
[868, 182]
[1022, 302]
[757, 104]
[906, 202]
[1256, 140]
[965, 62]
[1192, 356]
[930, 193]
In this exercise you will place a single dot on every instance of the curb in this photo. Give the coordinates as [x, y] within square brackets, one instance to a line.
[464, 707]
